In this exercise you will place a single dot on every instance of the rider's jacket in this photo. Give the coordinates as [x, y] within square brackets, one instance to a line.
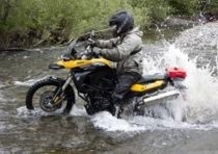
[124, 50]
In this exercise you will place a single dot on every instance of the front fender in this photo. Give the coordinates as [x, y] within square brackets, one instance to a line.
[56, 79]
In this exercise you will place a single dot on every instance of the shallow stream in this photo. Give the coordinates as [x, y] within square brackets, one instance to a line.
[102, 133]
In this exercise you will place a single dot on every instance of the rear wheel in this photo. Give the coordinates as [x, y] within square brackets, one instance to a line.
[48, 96]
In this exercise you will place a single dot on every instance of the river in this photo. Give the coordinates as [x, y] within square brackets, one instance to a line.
[102, 133]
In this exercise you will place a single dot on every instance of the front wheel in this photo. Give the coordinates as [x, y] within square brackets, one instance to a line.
[47, 95]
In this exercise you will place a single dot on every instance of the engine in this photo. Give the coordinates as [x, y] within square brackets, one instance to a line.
[97, 104]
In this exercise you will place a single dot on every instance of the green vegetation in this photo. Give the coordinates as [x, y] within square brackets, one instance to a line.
[38, 22]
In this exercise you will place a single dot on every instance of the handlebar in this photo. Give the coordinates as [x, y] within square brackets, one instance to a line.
[83, 41]
[88, 53]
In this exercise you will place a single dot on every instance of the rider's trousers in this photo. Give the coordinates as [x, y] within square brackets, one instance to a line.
[125, 80]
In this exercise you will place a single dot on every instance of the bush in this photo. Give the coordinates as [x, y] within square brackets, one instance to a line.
[28, 22]
[55, 18]
[154, 10]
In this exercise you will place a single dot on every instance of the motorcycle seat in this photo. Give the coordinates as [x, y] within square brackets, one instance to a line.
[151, 78]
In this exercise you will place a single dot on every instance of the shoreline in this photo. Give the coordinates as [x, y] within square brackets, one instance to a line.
[153, 33]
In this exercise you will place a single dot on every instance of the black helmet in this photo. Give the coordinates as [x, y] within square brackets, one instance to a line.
[123, 21]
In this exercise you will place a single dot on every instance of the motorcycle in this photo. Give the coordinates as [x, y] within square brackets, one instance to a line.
[94, 78]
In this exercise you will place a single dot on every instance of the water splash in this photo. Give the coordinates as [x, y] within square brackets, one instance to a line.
[137, 124]
[203, 37]
[23, 112]
[202, 96]
[200, 105]
[107, 122]
[78, 111]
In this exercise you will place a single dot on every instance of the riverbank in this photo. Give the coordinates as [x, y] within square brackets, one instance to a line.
[33, 39]
[40, 23]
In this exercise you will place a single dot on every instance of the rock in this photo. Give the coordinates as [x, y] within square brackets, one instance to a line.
[178, 22]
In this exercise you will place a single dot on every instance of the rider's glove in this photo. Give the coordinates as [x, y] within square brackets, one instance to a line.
[92, 42]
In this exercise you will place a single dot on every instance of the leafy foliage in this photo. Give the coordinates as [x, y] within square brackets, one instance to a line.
[59, 20]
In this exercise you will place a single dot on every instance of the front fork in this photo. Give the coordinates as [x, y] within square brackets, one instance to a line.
[67, 82]
[59, 96]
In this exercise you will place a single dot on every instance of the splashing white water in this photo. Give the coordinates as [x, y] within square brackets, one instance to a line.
[137, 124]
[201, 101]
[202, 94]
[78, 111]
[106, 121]
[23, 112]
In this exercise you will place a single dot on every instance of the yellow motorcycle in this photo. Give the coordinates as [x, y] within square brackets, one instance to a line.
[94, 78]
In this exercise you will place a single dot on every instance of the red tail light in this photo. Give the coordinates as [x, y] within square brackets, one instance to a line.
[176, 72]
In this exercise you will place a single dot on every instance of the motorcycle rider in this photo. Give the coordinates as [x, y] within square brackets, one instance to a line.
[125, 50]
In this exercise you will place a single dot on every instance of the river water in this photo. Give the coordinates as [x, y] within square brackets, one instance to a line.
[21, 132]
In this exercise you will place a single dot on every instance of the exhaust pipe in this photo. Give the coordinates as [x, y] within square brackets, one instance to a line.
[170, 95]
